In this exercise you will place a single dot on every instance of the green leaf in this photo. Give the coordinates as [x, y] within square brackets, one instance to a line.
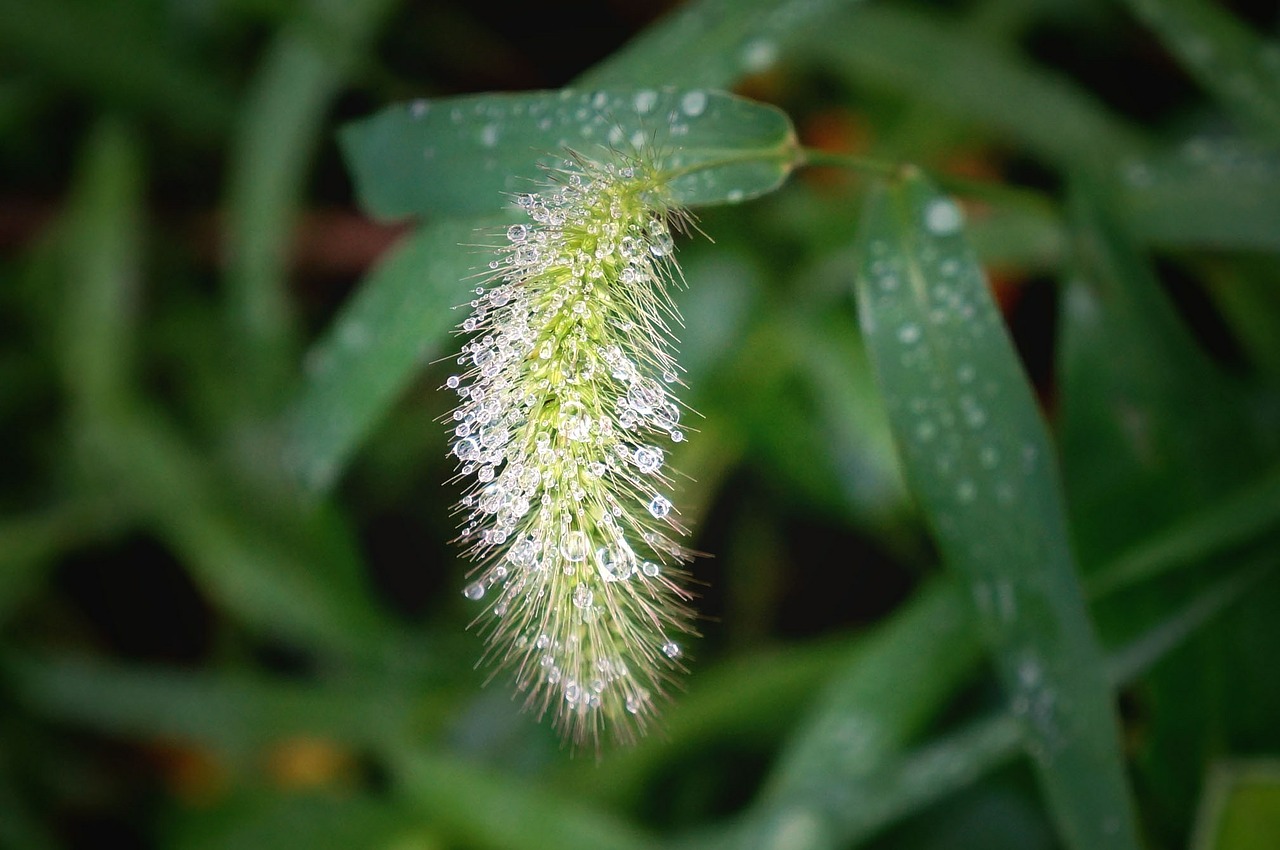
[1015, 100]
[118, 57]
[467, 155]
[977, 456]
[1243, 517]
[1228, 59]
[234, 712]
[1240, 809]
[850, 801]
[482, 809]
[1150, 427]
[399, 320]
[330, 821]
[711, 44]
[30, 543]
[277, 137]
[103, 253]
[898, 679]
[280, 569]
[1219, 193]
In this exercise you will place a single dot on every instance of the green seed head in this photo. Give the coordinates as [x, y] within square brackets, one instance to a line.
[566, 409]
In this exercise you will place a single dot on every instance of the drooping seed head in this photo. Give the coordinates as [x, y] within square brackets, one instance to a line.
[565, 407]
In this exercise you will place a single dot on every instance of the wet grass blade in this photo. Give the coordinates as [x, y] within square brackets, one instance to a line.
[1228, 59]
[978, 458]
[469, 155]
[1014, 99]
[1219, 193]
[713, 43]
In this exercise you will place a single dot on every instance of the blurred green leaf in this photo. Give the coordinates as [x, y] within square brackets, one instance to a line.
[277, 136]
[753, 699]
[1243, 517]
[398, 320]
[464, 155]
[331, 821]
[237, 713]
[1020, 237]
[1240, 809]
[103, 254]
[1245, 293]
[1228, 59]
[1150, 426]
[1219, 193]
[30, 543]
[978, 459]
[1152, 432]
[284, 572]
[850, 801]
[901, 676]
[996, 89]
[711, 43]
[482, 809]
[116, 57]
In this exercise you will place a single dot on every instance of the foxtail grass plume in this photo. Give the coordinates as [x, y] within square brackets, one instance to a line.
[565, 413]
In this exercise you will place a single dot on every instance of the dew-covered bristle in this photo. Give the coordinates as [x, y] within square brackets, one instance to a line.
[565, 415]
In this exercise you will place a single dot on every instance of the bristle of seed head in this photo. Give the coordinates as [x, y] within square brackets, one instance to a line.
[566, 402]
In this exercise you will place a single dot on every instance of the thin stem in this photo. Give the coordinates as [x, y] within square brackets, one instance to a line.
[996, 193]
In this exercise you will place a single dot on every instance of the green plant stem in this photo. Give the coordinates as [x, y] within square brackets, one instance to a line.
[982, 190]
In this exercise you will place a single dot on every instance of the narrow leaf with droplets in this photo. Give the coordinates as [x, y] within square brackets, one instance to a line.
[977, 457]
[464, 155]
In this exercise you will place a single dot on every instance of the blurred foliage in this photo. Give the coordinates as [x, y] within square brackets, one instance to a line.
[229, 603]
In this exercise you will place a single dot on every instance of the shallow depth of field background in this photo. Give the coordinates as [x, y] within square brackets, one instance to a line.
[198, 652]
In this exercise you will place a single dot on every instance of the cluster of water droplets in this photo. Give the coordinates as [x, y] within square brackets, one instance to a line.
[565, 404]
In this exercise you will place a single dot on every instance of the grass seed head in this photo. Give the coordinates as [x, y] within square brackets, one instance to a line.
[566, 411]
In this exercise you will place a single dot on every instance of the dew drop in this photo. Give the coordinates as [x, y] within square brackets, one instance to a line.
[574, 547]
[758, 55]
[671, 649]
[517, 232]
[660, 507]
[644, 101]
[489, 135]
[942, 217]
[582, 596]
[615, 566]
[648, 458]
[693, 103]
[909, 334]
[474, 591]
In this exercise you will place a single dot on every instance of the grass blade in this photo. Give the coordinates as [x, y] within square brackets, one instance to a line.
[1151, 428]
[713, 43]
[398, 320]
[898, 679]
[1209, 193]
[978, 458]
[117, 57]
[467, 155]
[1015, 100]
[276, 139]
[1227, 58]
